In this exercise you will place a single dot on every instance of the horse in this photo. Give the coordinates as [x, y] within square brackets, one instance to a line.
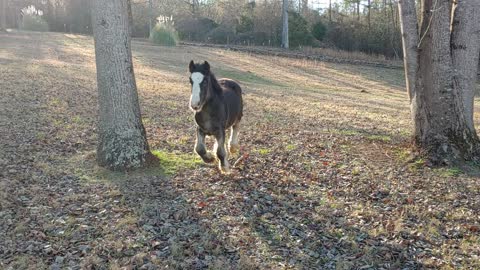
[218, 105]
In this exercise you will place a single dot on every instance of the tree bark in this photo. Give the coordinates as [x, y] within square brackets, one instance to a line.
[439, 116]
[122, 139]
[3, 15]
[465, 45]
[285, 24]
[409, 29]
[130, 17]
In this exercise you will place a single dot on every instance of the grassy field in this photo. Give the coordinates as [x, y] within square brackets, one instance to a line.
[329, 182]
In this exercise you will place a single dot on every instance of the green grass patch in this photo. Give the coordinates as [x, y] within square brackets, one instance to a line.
[346, 132]
[449, 172]
[171, 162]
[417, 164]
[403, 154]
[382, 138]
[244, 77]
[291, 147]
[263, 151]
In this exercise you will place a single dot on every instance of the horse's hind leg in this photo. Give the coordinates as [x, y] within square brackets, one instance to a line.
[221, 153]
[233, 142]
[200, 148]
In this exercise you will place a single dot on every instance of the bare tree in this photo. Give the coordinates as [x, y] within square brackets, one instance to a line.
[441, 64]
[285, 24]
[122, 139]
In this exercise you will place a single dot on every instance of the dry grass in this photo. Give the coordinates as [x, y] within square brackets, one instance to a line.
[327, 184]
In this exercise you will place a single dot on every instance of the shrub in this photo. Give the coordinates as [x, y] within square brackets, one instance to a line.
[252, 38]
[319, 30]
[194, 29]
[164, 35]
[298, 31]
[34, 23]
[221, 34]
[245, 25]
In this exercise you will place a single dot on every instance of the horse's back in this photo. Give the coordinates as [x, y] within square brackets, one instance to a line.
[228, 84]
[232, 95]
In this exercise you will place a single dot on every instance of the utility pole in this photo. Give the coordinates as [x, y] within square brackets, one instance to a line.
[369, 9]
[285, 24]
[150, 14]
[330, 11]
[3, 15]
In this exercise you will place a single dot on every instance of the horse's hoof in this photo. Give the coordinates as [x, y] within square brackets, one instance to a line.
[225, 170]
[208, 158]
[234, 148]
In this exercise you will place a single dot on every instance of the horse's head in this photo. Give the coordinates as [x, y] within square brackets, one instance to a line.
[199, 81]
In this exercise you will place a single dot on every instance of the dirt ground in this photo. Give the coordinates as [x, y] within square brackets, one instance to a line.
[328, 183]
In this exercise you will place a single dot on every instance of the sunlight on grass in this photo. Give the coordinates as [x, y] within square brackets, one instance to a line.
[171, 162]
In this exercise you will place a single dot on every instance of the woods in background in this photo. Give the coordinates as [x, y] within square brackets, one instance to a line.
[370, 26]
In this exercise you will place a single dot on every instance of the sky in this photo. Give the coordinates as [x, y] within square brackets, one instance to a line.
[323, 4]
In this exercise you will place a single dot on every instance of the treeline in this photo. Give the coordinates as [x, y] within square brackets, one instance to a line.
[370, 26]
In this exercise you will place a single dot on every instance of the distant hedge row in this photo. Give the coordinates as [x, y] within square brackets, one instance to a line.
[206, 30]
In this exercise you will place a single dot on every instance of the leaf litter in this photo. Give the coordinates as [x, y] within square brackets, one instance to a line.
[322, 180]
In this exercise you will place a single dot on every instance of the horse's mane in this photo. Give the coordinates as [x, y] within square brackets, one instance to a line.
[217, 89]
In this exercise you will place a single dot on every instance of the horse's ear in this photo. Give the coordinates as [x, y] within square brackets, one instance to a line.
[206, 65]
[191, 66]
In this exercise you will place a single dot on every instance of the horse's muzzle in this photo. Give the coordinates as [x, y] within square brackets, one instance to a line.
[195, 107]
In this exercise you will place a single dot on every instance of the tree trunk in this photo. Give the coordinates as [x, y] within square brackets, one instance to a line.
[440, 121]
[130, 17]
[465, 45]
[409, 28]
[122, 139]
[3, 15]
[285, 24]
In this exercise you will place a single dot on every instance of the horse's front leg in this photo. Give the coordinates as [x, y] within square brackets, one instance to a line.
[200, 148]
[221, 153]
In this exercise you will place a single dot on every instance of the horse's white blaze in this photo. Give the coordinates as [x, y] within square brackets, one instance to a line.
[197, 78]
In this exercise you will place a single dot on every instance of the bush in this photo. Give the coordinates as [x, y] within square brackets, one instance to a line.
[319, 30]
[298, 31]
[34, 23]
[245, 25]
[194, 29]
[164, 35]
[252, 38]
[221, 34]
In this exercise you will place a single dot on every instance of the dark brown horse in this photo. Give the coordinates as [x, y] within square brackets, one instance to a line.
[218, 105]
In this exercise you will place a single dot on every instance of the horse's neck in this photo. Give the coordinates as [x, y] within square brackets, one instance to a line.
[215, 86]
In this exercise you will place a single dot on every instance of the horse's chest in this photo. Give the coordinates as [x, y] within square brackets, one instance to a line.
[208, 125]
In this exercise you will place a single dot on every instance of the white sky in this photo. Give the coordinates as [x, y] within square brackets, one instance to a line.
[320, 3]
